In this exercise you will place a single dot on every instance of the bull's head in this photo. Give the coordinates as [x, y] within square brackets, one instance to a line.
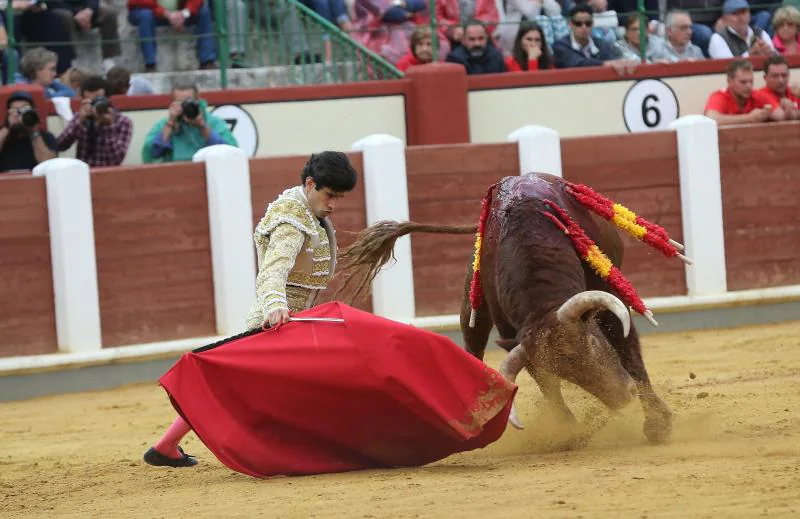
[571, 345]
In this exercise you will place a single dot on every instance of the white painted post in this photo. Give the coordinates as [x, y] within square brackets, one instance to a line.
[386, 193]
[72, 254]
[701, 204]
[539, 149]
[230, 221]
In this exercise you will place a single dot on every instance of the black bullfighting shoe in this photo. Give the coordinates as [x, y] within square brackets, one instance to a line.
[155, 458]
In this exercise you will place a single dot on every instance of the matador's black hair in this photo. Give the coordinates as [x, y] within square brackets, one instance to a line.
[331, 169]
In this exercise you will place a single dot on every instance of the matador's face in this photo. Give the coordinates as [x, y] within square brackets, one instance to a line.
[323, 201]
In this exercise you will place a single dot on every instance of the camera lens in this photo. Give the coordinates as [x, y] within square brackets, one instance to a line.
[29, 116]
[191, 109]
[101, 105]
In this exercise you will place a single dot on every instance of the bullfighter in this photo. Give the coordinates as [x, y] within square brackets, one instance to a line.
[296, 250]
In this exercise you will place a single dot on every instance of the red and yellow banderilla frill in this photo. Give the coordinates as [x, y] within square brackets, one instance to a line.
[633, 224]
[475, 288]
[596, 258]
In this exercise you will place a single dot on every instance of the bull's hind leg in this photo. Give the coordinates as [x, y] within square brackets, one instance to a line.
[658, 415]
[475, 339]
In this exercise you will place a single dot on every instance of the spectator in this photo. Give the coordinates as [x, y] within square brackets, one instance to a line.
[736, 104]
[38, 24]
[103, 132]
[84, 15]
[516, 11]
[120, 83]
[705, 16]
[187, 128]
[236, 14]
[38, 66]
[5, 51]
[385, 26]
[777, 93]
[147, 14]
[735, 37]
[23, 144]
[530, 50]
[448, 18]
[73, 78]
[579, 49]
[606, 22]
[629, 46]
[420, 50]
[332, 10]
[678, 45]
[476, 53]
[786, 22]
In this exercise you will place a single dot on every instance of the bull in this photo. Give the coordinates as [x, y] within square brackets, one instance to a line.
[555, 315]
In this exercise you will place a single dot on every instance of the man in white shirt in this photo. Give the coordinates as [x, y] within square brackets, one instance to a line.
[736, 38]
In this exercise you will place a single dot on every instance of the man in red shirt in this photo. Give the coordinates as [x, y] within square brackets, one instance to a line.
[736, 104]
[777, 92]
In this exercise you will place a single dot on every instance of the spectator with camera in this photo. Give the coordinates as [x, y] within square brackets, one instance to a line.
[23, 144]
[103, 133]
[187, 128]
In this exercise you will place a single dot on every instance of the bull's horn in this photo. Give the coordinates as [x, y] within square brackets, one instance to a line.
[577, 305]
[510, 368]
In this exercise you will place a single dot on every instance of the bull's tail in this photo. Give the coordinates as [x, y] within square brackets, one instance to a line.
[374, 247]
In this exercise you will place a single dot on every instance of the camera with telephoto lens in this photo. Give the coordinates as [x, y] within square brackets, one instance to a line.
[101, 105]
[190, 108]
[29, 116]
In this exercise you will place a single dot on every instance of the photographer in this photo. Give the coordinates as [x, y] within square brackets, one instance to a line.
[23, 144]
[187, 128]
[102, 132]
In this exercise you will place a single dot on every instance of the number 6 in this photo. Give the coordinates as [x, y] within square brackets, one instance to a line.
[652, 109]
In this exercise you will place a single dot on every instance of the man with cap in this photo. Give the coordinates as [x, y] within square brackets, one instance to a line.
[735, 37]
[23, 144]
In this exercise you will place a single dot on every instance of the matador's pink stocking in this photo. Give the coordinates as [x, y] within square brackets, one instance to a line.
[168, 444]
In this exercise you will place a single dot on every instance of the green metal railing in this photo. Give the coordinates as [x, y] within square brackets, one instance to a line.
[266, 33]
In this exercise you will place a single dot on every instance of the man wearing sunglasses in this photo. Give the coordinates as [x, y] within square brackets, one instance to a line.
[579, 49]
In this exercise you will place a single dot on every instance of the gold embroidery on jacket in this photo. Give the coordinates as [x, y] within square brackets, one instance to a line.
[294, 256]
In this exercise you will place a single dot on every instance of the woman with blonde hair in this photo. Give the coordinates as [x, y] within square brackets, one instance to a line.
[786, 22]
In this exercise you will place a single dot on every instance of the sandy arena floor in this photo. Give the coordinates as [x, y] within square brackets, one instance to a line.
[735, 452]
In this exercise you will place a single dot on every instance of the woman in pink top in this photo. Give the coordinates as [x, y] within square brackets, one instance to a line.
[530, 50]
[786, 21]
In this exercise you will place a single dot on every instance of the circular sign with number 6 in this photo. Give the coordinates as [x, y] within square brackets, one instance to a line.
[649, 105]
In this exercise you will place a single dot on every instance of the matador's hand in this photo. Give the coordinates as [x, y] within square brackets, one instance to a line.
[277, 316]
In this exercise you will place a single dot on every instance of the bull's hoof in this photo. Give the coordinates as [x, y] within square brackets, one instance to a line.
[658, 430]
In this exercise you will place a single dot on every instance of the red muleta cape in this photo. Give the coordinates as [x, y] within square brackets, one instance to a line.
[319, 397]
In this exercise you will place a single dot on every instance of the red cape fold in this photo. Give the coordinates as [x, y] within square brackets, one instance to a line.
[320, 397]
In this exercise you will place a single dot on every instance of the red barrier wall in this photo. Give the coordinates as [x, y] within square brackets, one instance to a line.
[153, 253]
[153, 247]
[760, 205]
[27, 307]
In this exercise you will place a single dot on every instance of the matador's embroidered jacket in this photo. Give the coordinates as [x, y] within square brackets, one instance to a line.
[296, 256]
